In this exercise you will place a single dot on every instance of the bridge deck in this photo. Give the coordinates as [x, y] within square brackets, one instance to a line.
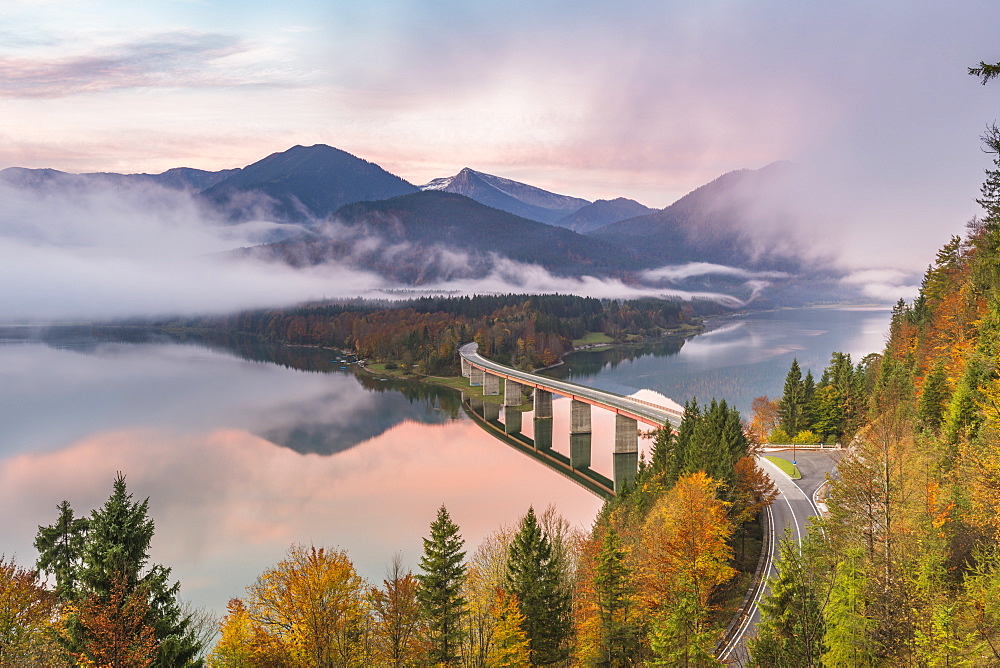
[642, 411]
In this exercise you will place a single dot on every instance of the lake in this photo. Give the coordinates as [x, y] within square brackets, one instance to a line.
[244, 448]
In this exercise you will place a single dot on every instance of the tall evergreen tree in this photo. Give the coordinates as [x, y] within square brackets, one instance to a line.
[808, 400]
[930, 408]
[534, 576]
[710, 440]
[112, 559]
[682, 442]
[847, 628]
[793, 401]
[791, 629]
[440, 592]
[615, 592]
[60, 550]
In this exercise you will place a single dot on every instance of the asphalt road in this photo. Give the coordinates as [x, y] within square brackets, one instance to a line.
[793, 508]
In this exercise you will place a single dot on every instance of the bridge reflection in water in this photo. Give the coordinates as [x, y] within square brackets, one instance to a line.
[576, 467]
[628, 413]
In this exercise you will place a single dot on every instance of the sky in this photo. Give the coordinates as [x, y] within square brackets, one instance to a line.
[646, 100]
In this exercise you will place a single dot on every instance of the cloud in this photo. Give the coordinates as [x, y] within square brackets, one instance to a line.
[886, 285]
[509, 275]
[98, 250]
[121, 250]
[178, 59]
[682, 272]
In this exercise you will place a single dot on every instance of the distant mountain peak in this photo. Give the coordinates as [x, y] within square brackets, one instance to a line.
[307, 182]
[508, 195]
[603, 212]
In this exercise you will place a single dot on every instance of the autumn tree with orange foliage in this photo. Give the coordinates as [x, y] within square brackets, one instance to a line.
[763, 419]
[685, 555]
[115, 628]
[399, 628]
[754, 491]
[27, 617]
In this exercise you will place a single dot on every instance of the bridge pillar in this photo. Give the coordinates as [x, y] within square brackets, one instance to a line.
[491, 384]
[511, 393]
[512, 421]
[580, 418]
[543, 433]
[543, 403]
[476, 376]
[626, 457]
[626, 434]
[466, 367]
[491, 412]
[579, 451]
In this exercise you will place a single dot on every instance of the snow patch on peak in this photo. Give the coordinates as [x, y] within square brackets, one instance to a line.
[438, 184]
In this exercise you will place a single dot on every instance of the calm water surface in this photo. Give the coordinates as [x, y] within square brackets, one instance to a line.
[244, 448]
[738, 358]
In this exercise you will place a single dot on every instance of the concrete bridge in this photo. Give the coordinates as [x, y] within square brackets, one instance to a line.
[629, 412]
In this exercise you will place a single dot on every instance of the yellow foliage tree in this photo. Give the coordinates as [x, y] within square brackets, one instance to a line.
[510, 647]
[685, 557]
[309, 610]
[26, 616]
[764, 418]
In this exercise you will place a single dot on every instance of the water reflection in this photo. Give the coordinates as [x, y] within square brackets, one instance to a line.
[575, 467]
[97, 378]
[738, 359]
[244, 447]
[241, 457]
[228, 503]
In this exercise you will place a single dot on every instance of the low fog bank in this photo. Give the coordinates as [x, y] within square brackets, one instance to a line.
[119, 250]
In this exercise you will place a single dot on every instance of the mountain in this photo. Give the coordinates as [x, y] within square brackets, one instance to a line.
[602, 212]
[304, 183]
[434, 235]
[186, 178]
[513, 197]
[22, 177]
[178, 178]
[741, 219]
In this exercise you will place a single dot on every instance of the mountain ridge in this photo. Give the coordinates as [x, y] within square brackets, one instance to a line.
[305, 183]
[514, 197]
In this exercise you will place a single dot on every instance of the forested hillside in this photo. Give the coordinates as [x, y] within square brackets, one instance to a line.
[424, 334]
[906, 569]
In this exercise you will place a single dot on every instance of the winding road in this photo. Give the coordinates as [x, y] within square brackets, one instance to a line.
[793, 508]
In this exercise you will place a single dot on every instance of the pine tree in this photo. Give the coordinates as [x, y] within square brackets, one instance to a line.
[440, 589]
[534, 576]
[714, 442]
[792, 404]
[60, 550]
[847, 628]
[683, 441]
[930, 409]
[615, 591]
[808, 399]
[112, 561]
[791, 629]
[663, 446]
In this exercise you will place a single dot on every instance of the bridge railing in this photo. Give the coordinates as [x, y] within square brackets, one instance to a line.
[665, 409]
